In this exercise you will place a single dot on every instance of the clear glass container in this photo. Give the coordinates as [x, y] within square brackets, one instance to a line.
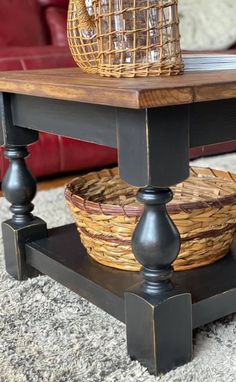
[137, 31]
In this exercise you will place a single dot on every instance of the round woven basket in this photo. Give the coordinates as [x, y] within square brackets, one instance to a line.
[106, 212]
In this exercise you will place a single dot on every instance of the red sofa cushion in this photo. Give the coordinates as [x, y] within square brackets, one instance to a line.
[57, 20]
[214, 149]
[21, 23]
[16, 58]
[68, 155]
[21, 36]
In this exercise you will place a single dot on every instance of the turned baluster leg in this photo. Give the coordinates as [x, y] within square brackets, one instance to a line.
[18, 185]
[153, 151]
[156, 241]
[158, 316]
[19, 188]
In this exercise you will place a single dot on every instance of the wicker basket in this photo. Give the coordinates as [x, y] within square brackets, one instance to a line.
[106, 213]
[127, 38]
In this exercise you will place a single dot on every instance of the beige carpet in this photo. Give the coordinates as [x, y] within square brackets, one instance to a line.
[49, 334]
[207, 24]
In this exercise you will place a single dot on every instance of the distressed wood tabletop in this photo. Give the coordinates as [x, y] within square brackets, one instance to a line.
[74, 85]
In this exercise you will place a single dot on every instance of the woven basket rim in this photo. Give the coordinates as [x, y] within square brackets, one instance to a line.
[136, 210]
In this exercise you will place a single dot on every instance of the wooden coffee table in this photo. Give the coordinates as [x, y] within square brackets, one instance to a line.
[153, 122]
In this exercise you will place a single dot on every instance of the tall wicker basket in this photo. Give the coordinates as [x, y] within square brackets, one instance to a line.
[125, 38]
[106, 212]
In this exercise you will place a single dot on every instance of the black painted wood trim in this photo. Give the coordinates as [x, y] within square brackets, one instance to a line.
[11, 134]
[93, 123]
[212, 122]
[213, 288]
[80, 274]
[153, 145]
[95, 293]
[209, 122]
[215, 307]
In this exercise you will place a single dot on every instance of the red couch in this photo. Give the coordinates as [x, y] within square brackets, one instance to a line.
[33, 36]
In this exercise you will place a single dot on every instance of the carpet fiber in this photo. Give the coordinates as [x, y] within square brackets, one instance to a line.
[207, 24]
[50, 334]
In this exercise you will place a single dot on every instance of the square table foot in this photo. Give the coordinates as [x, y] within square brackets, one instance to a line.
[159, 329]
[15, 236]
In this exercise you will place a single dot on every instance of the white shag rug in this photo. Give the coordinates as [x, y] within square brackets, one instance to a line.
[49, 334]
[207, 24]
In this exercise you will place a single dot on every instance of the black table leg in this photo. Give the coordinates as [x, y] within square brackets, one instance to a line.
[158, 316]
[153, 153]
[19, 188]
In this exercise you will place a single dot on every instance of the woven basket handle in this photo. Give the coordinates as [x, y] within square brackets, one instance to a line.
[85, 20]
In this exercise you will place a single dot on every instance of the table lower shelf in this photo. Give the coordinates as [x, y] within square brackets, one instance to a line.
[62, 257]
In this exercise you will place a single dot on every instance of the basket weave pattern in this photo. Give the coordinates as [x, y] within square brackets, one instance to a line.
[106, 212]
[138, 38]
[125, 38]
[82, 36]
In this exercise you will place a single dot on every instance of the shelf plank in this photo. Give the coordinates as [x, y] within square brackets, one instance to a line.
[62, 257]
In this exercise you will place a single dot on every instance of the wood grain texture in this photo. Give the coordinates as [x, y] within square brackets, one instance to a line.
[72, 84]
